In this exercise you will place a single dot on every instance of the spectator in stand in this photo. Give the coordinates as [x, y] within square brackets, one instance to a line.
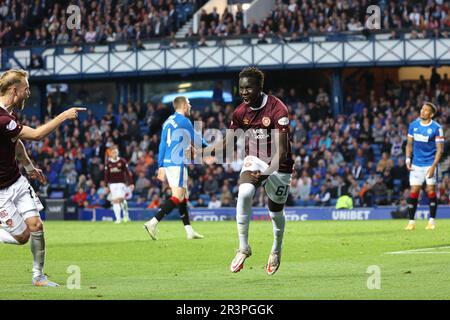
[36, 62]
[214, 203]
[323, 197]
[385, 163]
[155, 203]
[80, 198]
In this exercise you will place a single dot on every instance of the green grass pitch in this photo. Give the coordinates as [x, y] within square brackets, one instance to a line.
[321, 260]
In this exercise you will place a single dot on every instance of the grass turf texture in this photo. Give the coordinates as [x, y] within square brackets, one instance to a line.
[321, 260]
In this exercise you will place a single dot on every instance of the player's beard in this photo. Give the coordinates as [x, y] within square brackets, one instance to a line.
[20, 104]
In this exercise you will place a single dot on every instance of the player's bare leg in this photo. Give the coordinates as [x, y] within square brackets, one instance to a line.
[117, 208]
[412, 207]
[278, 217]
[431, 192]
[37, 245]
[246, 192]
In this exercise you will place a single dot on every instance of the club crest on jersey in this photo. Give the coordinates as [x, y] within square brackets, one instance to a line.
[246, 121]
[266, 121]
[429, 131]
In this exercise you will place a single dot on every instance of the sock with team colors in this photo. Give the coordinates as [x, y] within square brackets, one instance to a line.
[243, 212]
[6, 237]
[412, 205]
[433, 205]
[116, 209]
[167, 207]
[278, 221]
[184, 213]
[124, 206]
[37, 245]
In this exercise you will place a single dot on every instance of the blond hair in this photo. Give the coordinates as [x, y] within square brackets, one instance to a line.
[178, 102]
[10, 78]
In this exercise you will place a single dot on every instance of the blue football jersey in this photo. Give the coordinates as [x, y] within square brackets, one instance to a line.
[177, 134]
[425, 139]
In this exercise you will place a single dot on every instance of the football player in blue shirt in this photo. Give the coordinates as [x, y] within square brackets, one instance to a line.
[423, 152]
[177, 136]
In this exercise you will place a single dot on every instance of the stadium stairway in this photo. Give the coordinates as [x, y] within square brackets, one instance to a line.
[181, 33]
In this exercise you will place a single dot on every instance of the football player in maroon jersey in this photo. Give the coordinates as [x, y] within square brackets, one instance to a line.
[268, 161]
[19, 206]
[120, 181]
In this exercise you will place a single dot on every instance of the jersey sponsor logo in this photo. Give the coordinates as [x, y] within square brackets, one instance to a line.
[283, 121]
[259, 134]
[420, 137]
[266, 121]
[12, 125]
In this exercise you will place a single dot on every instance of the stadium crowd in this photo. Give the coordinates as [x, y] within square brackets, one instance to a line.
[360, 152]
[43, 22]
[299, 18]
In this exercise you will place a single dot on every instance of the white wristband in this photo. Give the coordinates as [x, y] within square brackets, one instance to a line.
[408, 161]
[29, 167]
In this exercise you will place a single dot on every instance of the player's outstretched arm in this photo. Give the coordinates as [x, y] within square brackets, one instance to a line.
[40, 133]
[24, 159]
[220, 145]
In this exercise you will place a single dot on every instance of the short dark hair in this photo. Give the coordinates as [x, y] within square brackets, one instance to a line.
[255, 73]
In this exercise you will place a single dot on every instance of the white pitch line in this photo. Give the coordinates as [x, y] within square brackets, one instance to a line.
[419, 251]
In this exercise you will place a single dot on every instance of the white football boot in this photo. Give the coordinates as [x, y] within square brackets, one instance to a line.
[238, 262]
[273, 263]
[151, 229]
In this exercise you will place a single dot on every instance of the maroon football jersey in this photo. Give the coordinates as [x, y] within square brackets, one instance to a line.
[117, 172]
[258, 123]
[9, 130]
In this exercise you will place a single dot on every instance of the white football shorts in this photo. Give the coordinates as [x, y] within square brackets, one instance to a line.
[177, 176]
[277, 185]
[418, 175]
[18, 202]
[118, 190]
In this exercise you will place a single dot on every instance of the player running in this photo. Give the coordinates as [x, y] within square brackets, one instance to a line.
[425, 146]
[19, 206]
[120, 182]
[260, 116]
[177, 136]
